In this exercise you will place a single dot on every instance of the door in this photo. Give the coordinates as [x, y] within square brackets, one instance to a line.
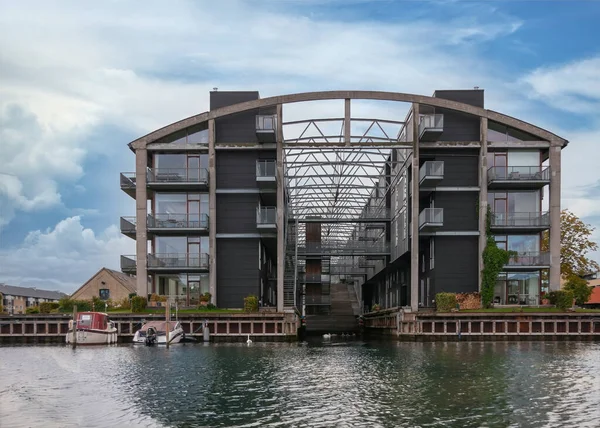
[193, 168]
[500, 164]
[194, 254]
[193, 216]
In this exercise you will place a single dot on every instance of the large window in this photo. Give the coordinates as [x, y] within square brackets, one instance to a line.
[519, 243]
[185, 288]
[181, 203]
[181, 245]
[514, 202]
[181, 161]
[517, 288]
[501, 134]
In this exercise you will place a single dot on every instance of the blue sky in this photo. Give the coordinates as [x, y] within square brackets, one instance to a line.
[78, 81]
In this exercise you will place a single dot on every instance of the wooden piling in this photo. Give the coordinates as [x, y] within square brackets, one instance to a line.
[74, 341]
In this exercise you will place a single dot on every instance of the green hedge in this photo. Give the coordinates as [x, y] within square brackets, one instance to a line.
[445, 302]
[32, 310]
[251, 303]
[66, 305]
[138, 304]
[48, 307]
[562, 299]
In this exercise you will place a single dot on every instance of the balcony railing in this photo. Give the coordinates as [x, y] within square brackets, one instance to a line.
[128, 225]
[266, 122]
[520, 220]
[431, 217]
[128, 264]
[266, 215]
[177, 175]
[178, 260]
[177, 221]
[431, 170]
[347, 247]
[266, 169]
[518, 173]
[431, 122]
[537, 258]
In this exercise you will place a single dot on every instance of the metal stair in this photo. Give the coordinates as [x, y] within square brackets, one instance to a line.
[291, 266]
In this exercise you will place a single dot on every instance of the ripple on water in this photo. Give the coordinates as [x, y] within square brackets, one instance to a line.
[269, 385]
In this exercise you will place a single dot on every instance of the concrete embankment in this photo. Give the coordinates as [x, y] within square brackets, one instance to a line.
[410, 326]
[224, 327]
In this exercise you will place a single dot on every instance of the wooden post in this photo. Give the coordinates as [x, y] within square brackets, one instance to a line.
[74, 340]
[167, 324]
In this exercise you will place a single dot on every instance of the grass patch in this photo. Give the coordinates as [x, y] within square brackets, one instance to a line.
[180, 311]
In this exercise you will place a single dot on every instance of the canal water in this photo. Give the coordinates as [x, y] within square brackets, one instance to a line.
[345, 384]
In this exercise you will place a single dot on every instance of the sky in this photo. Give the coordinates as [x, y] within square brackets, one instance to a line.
[79, 80]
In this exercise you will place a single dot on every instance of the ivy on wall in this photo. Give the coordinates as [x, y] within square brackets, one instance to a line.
[494, 260]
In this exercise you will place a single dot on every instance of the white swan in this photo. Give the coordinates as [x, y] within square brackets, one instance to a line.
[327, 336]
[248, 341]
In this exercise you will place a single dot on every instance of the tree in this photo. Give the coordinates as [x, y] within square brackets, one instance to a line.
[575, 243]
[580, 289]
[494, 260]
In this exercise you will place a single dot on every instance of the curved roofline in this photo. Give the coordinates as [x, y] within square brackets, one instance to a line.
[353, 95]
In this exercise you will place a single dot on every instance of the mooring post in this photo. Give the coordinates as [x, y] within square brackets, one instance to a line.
[74, 341]
[167, 324]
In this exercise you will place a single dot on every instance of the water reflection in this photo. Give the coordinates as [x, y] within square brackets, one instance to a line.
[355, 384]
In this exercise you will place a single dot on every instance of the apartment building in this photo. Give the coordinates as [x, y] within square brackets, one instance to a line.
[16, 300]
[233, 202]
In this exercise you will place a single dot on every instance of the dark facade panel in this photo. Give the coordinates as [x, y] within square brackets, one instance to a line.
[456, 264]
[236, 169]
[227, 98]
[460, 210]
[459, 170]
[237, 128]
[474, 97]
[459, 126]
[236, 213]
[237, 271]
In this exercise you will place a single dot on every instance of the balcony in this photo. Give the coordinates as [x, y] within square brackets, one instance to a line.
[431, 219]
[178, 178]
[177, 262]
[348, 248]
[128, 183]
[518, 177]
[128, 226]
[128, 264]
[174, 224]
[431, 173]
[266, 173]
[431, 127]
[266, 218]
[529, 260]
[521, 222]
[266, 128]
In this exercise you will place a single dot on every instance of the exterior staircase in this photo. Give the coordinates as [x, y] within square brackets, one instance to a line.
[343, 313]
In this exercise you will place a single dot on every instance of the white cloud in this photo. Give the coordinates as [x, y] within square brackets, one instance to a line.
[64, 257]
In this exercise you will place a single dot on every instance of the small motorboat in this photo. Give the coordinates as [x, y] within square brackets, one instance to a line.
[155, 333]
[92, 328]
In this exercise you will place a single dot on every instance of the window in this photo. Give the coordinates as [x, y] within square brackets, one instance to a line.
[104, 294]
[431, 253]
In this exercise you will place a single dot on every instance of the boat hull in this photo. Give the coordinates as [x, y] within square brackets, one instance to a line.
[93, 337]
[175, 337]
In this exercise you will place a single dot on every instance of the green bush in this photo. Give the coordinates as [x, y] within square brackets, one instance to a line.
[124, 303]
[48, 307]
[251, 303]
[138, 304]
[580, 289]
[66, 305]
[562, 299]
[445, 302]
[32, 310]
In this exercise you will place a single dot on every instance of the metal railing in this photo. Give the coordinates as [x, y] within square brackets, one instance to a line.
[536, 258]
[375, 213]
[266, 122]
[431, 216]
[519, 173]
[128, 224]
[430, 122]
[127, 180]
[431, 169]
[530, 219]
[266, 215]
[178, 260]
[128, 263]
[266, 168]
[364, 247]
[177, 175]
[177, 221]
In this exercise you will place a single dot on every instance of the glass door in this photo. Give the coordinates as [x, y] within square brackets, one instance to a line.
[512, 292]
[500, 164]
[194, 214]
[193, 168]
[194, 254]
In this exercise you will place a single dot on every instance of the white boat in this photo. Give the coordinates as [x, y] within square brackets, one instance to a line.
[92, 328]
[155, 332]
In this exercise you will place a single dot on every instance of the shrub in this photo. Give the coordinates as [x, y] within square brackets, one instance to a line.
[445, 302]
[1, 308]
[205, 297]
[66, 305]
[376, 307]
[251, 303]
[580, 289]
[124, 303]
[32, 310]
[157, 298]
[469, 300]
[138, 304]
[562, 299]
[48, 307]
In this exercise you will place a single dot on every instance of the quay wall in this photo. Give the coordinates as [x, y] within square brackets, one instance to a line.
[52, 328]
[410, 326]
